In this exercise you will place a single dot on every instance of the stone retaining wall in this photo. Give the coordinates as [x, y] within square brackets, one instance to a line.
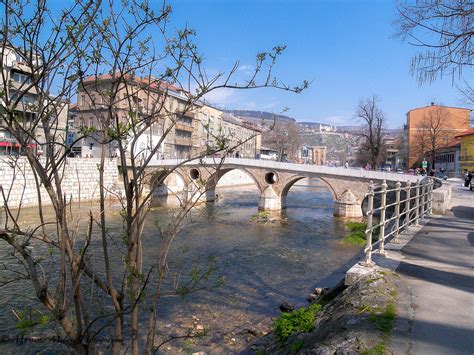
[80, 181]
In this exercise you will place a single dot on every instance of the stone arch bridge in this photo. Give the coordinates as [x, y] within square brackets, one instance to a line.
[273, 180]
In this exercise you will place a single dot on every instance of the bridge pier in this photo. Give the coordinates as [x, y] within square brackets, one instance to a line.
[270, 200]
[347, 206]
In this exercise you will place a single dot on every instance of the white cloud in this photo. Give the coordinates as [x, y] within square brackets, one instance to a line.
[245, 67]
[221, 97]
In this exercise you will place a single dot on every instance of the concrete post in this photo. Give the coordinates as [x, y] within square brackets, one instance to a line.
[383, 204]
[397, 211]
[368, 233]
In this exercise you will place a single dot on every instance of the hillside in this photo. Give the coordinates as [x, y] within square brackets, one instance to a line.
[258, 116]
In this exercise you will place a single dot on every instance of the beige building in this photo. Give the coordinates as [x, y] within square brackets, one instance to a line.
[17, 72]
[161, 110]
[244, 137]
[185, 130]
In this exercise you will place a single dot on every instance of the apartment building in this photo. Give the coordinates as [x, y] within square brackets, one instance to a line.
[162, 110]
[23, 99]
[212, 128]
[446, 121]
[185, 129]
[245, 136]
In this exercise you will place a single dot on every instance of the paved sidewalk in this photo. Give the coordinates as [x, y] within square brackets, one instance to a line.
[436, 308]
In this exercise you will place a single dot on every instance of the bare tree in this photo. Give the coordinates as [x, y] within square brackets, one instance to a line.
[372, 147]
[285, 138]
[421, 142]
[130, 44]
[433, 134]
[444, 30]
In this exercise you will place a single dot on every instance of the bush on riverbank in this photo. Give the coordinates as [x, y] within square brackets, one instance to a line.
[299, 321]
[357, 233]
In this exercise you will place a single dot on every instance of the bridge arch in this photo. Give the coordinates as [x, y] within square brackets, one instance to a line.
[164, 184]
[214, 179]
[294, 180]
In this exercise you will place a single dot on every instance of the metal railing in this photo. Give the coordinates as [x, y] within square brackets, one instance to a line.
[412, 202]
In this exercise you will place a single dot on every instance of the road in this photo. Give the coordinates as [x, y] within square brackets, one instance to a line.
[437, 277]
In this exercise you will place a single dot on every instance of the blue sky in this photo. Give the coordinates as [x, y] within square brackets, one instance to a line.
[346, 48]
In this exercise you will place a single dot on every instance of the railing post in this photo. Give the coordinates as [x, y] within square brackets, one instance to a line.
[383, 204]
[430, 196]
[407, 205]
[397, 211]
[417, 203]
[368, 232]
[423, 199]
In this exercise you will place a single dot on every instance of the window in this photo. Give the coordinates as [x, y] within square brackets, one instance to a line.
[91, 121]
[83, 100]
[28, 99]
[21, 78]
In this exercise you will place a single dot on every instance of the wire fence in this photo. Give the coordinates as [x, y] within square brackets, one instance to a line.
[411, 203]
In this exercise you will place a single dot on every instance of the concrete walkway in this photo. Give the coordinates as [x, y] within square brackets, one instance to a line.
[436, 307]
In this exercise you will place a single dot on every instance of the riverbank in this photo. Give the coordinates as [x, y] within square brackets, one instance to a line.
[357, 320]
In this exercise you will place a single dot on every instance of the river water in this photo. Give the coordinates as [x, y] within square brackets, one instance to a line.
[263, 265]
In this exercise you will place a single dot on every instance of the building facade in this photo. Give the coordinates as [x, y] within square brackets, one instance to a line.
[162, 113]
[312, 155]
[184, 127]
[448, 159]
[466, 151]
[244, 137]
[24, 97]
[434, 123]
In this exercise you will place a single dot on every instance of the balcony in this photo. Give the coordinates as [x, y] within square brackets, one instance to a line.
[183, 141]
[184, 127]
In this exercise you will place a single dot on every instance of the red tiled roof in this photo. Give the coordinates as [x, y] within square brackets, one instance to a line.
[153, 83]
[468, 132]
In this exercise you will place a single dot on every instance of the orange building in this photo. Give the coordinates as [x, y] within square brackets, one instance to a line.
[431, 128]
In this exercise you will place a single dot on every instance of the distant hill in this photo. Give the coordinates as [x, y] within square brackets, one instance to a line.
[260, 115]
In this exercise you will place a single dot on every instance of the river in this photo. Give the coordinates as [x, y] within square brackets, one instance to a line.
[263, 265]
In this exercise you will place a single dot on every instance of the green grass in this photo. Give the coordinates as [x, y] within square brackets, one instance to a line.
[357, 233]
[296, 346]
[378, 349]
[384, 320]
[299, 321]
[261, 216]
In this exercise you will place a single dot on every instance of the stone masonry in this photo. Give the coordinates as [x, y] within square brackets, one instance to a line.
[80, 181]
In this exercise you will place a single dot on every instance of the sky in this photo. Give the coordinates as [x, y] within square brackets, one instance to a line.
[346, 49]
